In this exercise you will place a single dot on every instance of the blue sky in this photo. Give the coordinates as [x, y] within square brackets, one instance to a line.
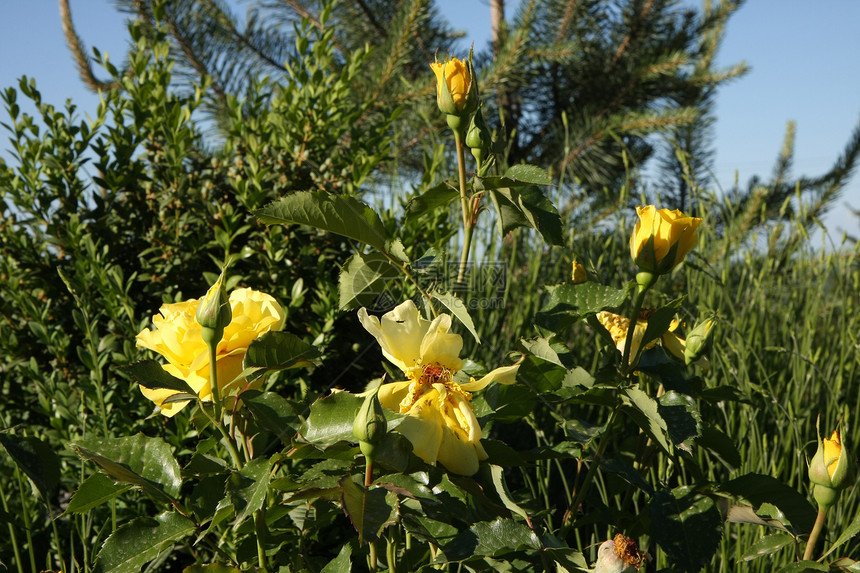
[804, 55]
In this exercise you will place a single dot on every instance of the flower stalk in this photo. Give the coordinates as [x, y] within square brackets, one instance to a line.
[644, 281]
[816, 531]
[465, 207]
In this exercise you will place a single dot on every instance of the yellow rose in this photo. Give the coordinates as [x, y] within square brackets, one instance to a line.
[177, 337]
[829, 469]
[618, 325]
[577, 274]
[440, 421]
[662, 238]
[454, 87]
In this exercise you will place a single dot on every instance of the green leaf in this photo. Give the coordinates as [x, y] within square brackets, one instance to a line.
[212, 568]
[141, 540]
[363, 279]
[501, 488]
[439, 195]
[687, 526]
[330, 419]
[682, 417]
[847, 533]
[541, 348]
[768, 545]
[369, 509]
[759, 489]
[541, 376]
[94, 491]
[515, 176]
[36, 459]
[278, 351]
[150, 374]
[247, 488]
[138, 460]
[459, 310]
[722, 445]
[645, 412]
[393, 450]
[528, 207]
[334, 213]
[583, 298]
[804, 567]
[341, 563]
[531, 174]
[735, 513]
[273, 413]
[491, 539]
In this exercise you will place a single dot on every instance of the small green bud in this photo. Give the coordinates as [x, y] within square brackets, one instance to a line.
[369, 425]
[479, 138]
[214, 310]
[699, 341]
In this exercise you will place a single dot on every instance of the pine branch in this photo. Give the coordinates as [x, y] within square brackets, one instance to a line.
[76, 46]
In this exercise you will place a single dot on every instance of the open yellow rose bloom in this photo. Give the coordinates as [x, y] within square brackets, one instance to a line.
[440, 421]
[618, 325]
[178, 339]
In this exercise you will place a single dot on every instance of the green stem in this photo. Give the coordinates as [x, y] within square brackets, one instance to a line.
[589, 477]
[391, 555]
[213, 377]
[816, 531]
[12, 535]
[372, 556]
[260, 529]
[57, 537]
[465, 207]
[634, 318]
[25, 514]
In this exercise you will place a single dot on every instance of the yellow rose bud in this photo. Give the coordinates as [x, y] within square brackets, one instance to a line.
[456, 93]
[177, 337]
[662, 238]
[829, 469]
[577, 274]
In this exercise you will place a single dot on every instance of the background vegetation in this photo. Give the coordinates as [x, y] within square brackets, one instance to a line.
[104, 219]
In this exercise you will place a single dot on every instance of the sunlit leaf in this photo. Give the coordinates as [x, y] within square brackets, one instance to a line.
[139, 460]
[150, 374]
[138, 542]
[278, 351]
[363, 279]
[338, 214]
[459, 310]
[94, 491]
[273, 413]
